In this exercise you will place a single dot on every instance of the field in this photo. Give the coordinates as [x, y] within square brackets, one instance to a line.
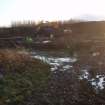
[53, 64]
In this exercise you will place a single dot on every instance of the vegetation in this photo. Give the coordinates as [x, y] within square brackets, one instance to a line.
[28, 81]
[65, 34]
[21, 77]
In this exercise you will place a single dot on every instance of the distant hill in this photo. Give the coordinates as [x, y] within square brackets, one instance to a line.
[87, 27]
[76, 27]
[75, 31]
[90, 17]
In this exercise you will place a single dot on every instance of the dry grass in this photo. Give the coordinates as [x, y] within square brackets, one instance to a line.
[13, 56]
[20, 76]
[13, 60]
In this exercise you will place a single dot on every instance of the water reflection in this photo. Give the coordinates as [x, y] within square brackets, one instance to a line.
[56, 62]
[62, 62]
[98, 82]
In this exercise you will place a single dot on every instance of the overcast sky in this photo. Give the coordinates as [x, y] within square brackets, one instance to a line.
[19, 10]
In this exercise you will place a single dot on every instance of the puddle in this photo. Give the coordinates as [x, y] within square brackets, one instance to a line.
[56, 62]
[46, 41]
[98, 82]
[62, 62]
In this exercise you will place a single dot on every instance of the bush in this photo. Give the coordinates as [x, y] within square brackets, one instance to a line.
[20, 77]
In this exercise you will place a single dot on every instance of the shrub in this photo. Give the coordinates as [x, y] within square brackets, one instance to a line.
[20, 77]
